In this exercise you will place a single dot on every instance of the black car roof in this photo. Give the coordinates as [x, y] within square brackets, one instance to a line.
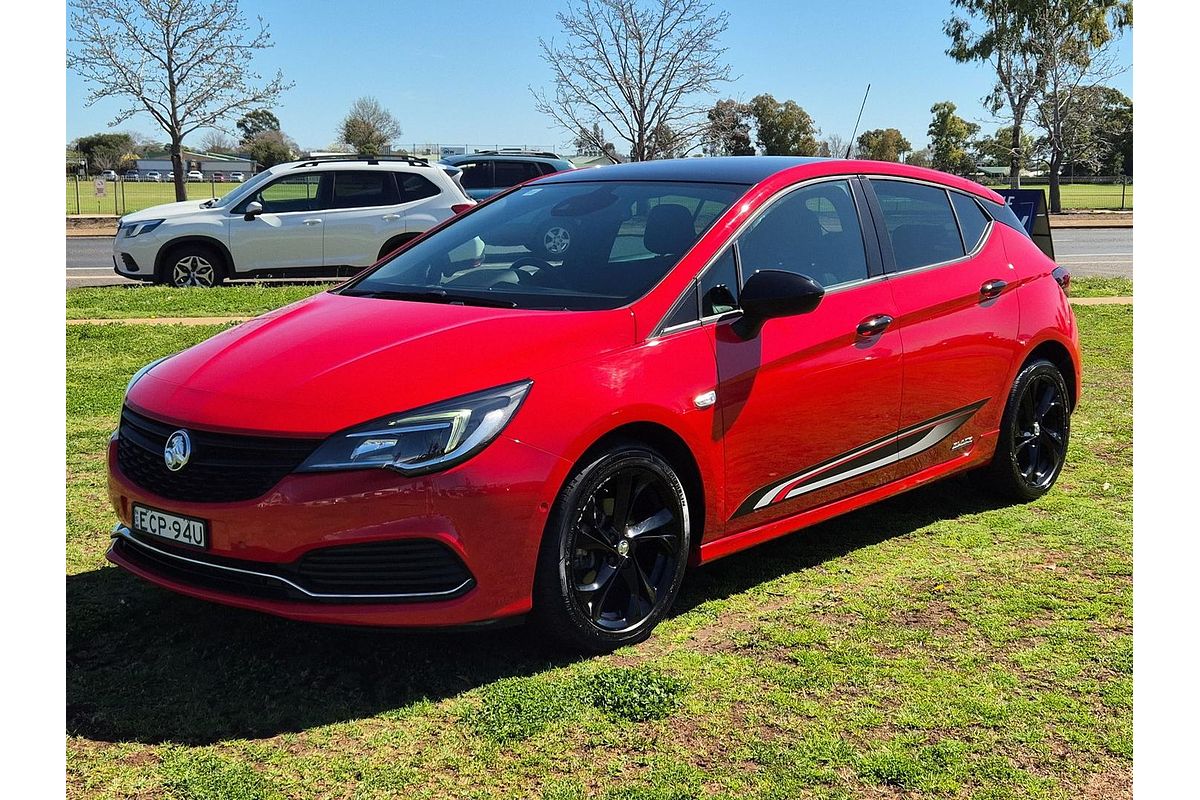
[722, 169]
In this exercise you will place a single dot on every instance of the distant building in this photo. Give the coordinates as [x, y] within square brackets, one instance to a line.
[207, 163]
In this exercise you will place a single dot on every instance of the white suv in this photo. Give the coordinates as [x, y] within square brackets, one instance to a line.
[306, 218]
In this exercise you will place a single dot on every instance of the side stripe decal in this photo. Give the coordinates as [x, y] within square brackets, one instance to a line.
[883, 452]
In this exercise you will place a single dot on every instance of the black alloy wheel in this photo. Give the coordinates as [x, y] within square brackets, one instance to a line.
[1034, 434]
[615, 551]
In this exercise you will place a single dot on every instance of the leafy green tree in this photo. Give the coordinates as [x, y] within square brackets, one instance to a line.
[369, 128]
[949, 139]
[728, 130]
[270, 147]
[997, 150]
[883, 144]
[919, 158]
[256, 122]
[784, 129]
[104, 150]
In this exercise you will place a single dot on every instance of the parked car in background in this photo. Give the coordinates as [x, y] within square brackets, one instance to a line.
[218, 177]
[171, 176]
[488, 172]
[109, 175]
[237, 177]
[131, 175]
[195, 175]
[744, 347]
[153, 177]
[321, 217]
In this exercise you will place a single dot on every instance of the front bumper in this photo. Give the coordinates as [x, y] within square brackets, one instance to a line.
[489, 512]
[135, 258]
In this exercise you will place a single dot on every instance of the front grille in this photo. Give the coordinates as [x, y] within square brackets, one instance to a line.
[412, 569]
[223, 468]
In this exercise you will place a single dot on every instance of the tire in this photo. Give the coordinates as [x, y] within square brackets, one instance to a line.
[595, 589]
[1034, 434]
[192, 264]
[394, 244]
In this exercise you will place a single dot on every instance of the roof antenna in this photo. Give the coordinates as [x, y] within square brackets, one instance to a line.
[860, 110]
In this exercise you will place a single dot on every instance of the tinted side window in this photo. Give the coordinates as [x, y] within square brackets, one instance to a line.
[719, 286]
[510, 173]
[476, 174]
[363, 190]
[919, 223]
[293, 193]
[414, 187]
[971, 219]
[812, 231]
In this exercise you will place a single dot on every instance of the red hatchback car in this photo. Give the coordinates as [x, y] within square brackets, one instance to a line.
[469, 431]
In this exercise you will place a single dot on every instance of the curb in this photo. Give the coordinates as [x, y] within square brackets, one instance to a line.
[1101, 301]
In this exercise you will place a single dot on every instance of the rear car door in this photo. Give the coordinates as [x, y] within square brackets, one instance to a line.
[364, 212]
[958, 316]
[423, 202]
[810, 407]
[477, 179]
[288, 232]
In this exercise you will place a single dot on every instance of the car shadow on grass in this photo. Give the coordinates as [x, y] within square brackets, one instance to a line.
[146, 665]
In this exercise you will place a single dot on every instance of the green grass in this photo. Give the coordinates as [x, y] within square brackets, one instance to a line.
[935, 645]
[1101, 287]
[123, 198]
[142, 302]
[1080, 196]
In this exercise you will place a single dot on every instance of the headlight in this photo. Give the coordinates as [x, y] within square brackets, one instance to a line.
[137, 376]
[424, 440]
[138, 228]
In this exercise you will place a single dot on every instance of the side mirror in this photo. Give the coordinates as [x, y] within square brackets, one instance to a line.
[253, 210]
[772, 293]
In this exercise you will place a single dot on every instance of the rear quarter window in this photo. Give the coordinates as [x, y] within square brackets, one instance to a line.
[971, 220]
[920, 223]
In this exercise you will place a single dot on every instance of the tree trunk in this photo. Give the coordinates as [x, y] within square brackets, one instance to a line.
[177, 165]
[1055, 199]
[1014, 163]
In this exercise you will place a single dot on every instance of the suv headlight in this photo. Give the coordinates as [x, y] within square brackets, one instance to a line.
[138, 228]
[424, 440]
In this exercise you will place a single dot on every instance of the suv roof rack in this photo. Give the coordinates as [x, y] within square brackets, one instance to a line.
[414, 161]
[539, 153]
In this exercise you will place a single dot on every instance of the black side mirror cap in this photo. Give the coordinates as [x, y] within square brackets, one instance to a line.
[772, 293]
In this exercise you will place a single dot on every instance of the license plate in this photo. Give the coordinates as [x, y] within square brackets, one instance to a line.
[172, 527]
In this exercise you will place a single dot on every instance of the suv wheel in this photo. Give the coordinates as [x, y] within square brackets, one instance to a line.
[193, 265]
[1034, 434]
[615, 551]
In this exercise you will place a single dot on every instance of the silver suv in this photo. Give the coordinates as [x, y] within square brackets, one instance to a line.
[304, 218]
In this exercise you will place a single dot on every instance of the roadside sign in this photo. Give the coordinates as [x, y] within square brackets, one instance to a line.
[1030, 207]
[99, 183]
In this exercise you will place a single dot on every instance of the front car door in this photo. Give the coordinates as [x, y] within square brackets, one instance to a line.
[364, 212]
[958, 316]
[288, 233]
[810, 407]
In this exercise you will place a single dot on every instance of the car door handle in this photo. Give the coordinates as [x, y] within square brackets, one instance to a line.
[992, 289]
[391, 217]
[873, 326]
[312, 222]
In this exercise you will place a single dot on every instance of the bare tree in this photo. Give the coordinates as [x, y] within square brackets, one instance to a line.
[186, 63]
[834, 146]
[635, 66]
[216, 141]
[369, 128]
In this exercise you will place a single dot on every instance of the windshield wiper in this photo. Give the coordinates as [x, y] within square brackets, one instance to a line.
[435, 296]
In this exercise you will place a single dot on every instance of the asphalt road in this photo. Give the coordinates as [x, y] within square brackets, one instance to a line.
[1084, 251]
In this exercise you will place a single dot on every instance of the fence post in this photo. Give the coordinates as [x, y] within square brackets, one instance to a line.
[212, 185]
[124, 202]
[78, 208]
[1122, 194]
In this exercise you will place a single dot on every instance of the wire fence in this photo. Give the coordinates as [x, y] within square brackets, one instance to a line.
[121, 196]
[1101, 193]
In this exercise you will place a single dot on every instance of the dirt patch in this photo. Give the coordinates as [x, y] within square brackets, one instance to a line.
[1114, 784]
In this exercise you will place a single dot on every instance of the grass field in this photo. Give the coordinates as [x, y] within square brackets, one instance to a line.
[936, 645]
[143, 195]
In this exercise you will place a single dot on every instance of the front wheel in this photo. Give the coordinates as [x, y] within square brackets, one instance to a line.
[193, 265]
[1034, 433]
[615, 551]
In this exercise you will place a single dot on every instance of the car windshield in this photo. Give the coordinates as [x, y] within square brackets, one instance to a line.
[575, 246]
[240, 192]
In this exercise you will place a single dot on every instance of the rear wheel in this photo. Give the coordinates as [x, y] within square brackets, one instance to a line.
[193, 265]
[615, 551]
[1034, 433]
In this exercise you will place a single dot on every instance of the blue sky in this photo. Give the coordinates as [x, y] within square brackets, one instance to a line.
[459, 72]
